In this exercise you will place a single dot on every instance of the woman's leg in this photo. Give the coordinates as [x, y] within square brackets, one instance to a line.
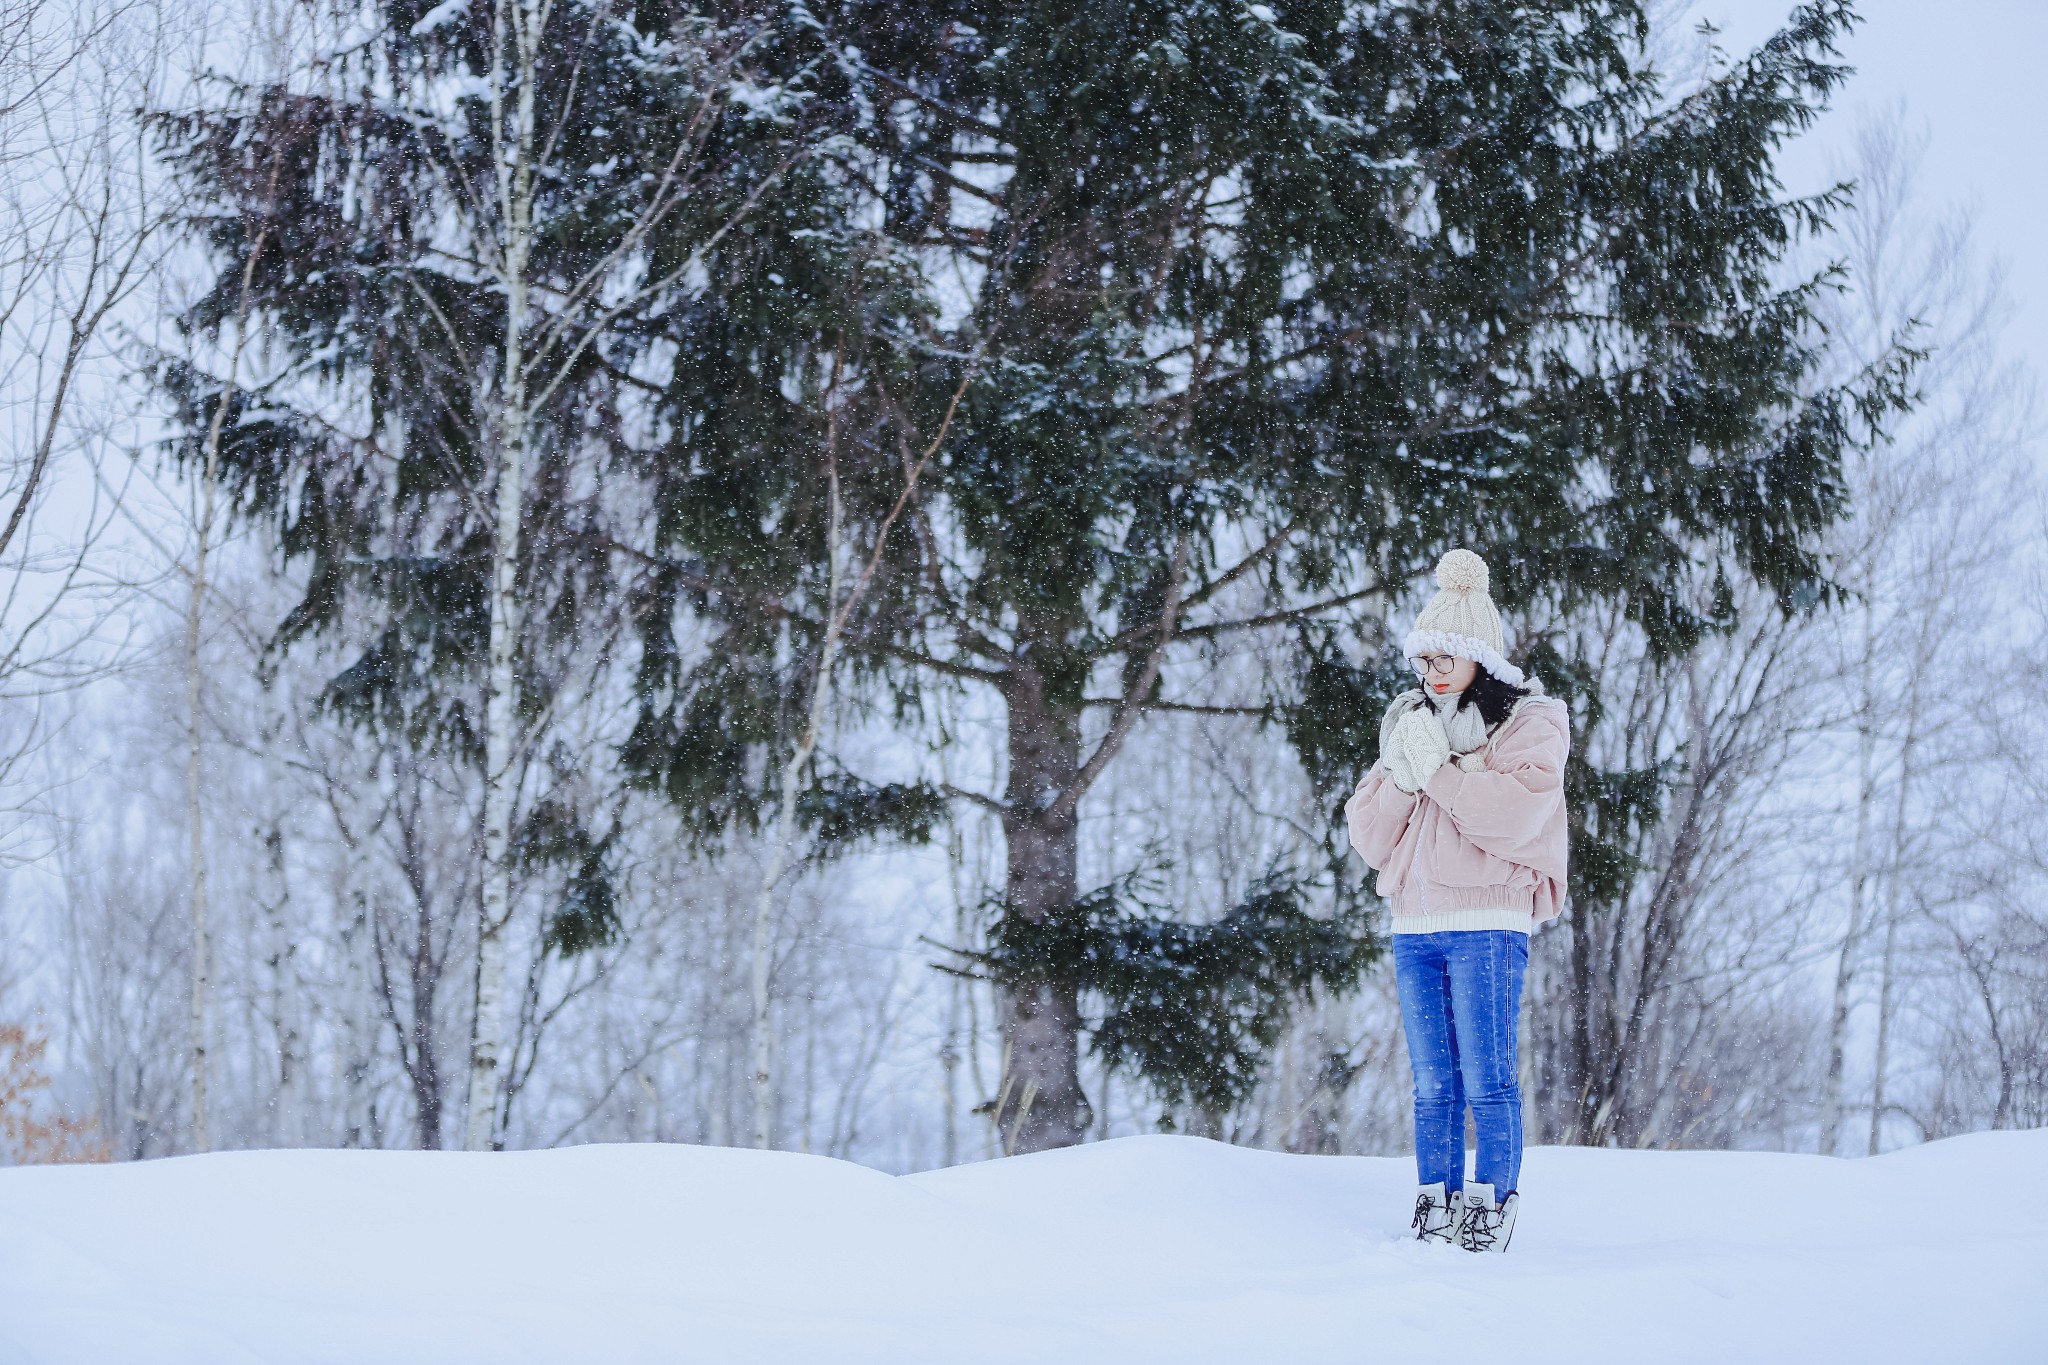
[1421, 973]
[1486, 969]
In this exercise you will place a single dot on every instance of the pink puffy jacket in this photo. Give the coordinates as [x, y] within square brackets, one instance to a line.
[1481, 846]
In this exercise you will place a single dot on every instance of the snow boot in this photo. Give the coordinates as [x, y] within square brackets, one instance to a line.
[1483, 1224]
[1436, 1215]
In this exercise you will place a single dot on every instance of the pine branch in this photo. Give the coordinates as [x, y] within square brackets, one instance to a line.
[1276, 618]
[959, 118]
[987, 803]
[1133, 707]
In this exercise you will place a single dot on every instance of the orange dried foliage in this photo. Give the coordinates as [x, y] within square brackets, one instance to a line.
[26, 1140]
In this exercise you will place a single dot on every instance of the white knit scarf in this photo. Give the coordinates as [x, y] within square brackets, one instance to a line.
[1464, 727]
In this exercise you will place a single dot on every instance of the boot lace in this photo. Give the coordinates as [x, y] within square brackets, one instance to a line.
[1480, 1228]
[1443, 1226]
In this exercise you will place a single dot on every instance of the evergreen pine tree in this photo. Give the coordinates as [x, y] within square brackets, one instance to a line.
[494, 232]
[1273, 303]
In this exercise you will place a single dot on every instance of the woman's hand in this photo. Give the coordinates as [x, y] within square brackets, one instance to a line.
[1399, 770]
[1416, 749]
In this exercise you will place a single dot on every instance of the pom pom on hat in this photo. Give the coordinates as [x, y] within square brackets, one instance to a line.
[1461, 571]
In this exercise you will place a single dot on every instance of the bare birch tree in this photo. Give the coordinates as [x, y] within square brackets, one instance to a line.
[838, 610]
[462, 142]
[539, 356]
[82, 219]
[206, 496]
[1914, 582]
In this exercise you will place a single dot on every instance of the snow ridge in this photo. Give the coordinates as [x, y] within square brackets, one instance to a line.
[1192, 1251]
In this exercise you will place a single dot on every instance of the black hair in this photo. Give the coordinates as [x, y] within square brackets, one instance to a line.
[1494, 697]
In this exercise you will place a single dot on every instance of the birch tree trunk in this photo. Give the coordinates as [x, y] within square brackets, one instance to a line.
[520, 23]
[778, 853]
[792, 776]
[500, 781]
[837, 613]
[195, 757]
[1859, 877]
[1884, 1020]
[949, 1043]
[354, 1038]
[195, 753]
[287, 1005]
[1916, 703]
[358, 1046]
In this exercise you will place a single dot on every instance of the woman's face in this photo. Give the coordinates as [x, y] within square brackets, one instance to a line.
[1443, 674]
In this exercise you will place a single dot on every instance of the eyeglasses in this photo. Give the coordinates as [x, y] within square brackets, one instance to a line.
[1439, 664]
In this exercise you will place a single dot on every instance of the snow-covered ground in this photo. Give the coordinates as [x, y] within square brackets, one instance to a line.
[1134, 1251]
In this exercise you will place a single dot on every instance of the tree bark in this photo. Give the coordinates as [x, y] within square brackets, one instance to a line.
[785, 827]
[202, 938]
[195, 752]
[287, 1016]
[202, 943]
[358, 1045]
[518, 24]
[1895, 872]
[1582, 1047]
[1859, 877]
[1881, 1061]
[424, 978]
[949, 1040]
[500, 780]
[1041, 1104]
[420, 1037]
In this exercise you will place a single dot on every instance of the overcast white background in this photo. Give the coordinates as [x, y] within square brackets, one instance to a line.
[1972, 75]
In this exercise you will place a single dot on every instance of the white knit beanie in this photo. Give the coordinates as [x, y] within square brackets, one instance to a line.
[1461, 619]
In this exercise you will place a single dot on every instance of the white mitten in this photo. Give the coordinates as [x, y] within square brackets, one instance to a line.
[1420, 736]
[1400, 771]
[1392, 757]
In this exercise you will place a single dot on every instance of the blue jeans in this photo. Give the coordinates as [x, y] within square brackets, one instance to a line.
[1461, 1005]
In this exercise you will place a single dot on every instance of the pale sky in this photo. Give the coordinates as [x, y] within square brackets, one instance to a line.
[1973, 75]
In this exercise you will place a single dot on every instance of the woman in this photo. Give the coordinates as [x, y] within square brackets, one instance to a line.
[1463, 818]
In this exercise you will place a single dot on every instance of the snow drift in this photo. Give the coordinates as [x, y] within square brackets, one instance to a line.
[1138, 1250]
